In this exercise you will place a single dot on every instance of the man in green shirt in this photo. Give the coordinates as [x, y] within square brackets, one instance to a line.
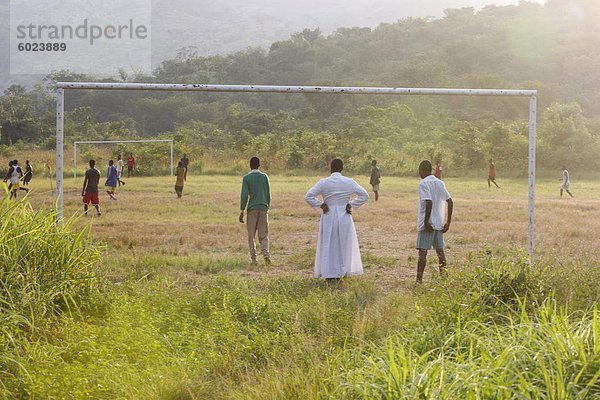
[256, 199]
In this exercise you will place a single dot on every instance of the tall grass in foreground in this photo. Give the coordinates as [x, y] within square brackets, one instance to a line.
[548, 355]
[44, 269]
[495, 328]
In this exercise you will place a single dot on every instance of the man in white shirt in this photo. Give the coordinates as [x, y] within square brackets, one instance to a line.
[566, 182]
[431, 224]
[120, 170]
[338, 253]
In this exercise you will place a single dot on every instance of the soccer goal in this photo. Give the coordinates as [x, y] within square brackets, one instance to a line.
[531, 94]
[170, 141]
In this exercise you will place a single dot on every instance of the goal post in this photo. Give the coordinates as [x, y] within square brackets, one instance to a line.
[531, 94]
[170, 141]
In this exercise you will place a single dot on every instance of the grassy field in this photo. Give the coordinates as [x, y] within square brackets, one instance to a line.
[148, 220]
[180, 314]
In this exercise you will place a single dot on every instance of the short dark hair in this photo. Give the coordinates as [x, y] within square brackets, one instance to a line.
[337, 165]
[92, 163]
[254, 163]
[425, 167]
[374, 162]
[15, 162]
[180, 164]
[110, 162]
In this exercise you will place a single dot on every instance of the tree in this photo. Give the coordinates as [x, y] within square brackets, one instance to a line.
[565, 139]
[466, 143]
[17, 117]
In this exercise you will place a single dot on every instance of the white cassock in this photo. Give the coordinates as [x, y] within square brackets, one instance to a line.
[337, 245]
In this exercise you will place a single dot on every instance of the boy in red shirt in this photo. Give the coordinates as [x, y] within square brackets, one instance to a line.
[130, 165]
[492, 174]
[89, 192]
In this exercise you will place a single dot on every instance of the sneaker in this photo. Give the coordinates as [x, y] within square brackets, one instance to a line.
[253, 262]
[267, 260]
[98, 213]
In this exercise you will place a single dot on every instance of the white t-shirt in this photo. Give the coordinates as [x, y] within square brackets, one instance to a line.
[566, 181]
[119, 165]
[15, 175]
[431, 188]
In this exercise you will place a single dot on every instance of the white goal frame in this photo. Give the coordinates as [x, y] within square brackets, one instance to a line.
[531, 94]
[170, 141]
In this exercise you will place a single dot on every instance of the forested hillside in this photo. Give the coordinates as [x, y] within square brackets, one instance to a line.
[228, 26]
[551, 48]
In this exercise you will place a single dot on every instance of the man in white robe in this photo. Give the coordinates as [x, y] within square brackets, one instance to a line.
[338, 254]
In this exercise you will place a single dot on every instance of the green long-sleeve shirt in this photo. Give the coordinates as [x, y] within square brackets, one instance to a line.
[256, 191]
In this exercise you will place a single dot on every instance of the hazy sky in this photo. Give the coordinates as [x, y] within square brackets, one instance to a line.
[232, 25]
[227, 26]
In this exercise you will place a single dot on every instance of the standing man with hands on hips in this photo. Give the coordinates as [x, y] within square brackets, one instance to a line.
[338, 254]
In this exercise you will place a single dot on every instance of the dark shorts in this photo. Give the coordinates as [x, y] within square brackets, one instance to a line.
[91, 198]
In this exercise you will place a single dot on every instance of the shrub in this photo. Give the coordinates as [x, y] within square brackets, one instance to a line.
[44, 269]
[487, 288]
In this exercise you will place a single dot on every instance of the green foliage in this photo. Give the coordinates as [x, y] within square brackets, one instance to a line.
[565, 139]
[18, 119]
[44, 270]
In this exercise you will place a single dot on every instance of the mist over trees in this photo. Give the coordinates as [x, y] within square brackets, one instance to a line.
[551, 48]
